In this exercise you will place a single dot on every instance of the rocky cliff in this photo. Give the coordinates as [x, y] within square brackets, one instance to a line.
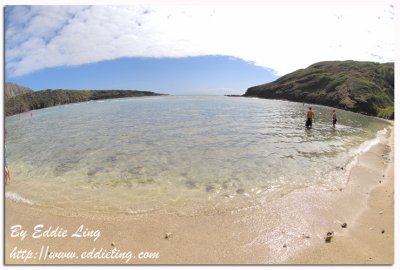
[12, 89]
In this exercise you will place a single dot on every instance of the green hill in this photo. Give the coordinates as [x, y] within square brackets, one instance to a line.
[363, 87]
[48, 98]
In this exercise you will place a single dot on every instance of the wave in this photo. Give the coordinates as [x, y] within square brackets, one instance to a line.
[17, 198]
[341, 174]
[367, 145]
[363, 148]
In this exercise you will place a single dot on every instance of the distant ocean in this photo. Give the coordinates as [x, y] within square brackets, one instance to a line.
[186, 155]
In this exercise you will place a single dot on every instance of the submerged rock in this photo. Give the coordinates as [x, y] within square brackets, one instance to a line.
[209, 188]
[344, 225]
[240, 191]
[93, 171]
[66, 165]
[111, 159]
[190, 185]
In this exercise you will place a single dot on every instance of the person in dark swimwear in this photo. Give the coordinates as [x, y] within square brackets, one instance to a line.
[310, 116]
[7, 172]
[334, 119]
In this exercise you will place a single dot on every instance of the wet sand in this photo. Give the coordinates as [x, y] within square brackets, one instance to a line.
[370, 240]
[290, 229]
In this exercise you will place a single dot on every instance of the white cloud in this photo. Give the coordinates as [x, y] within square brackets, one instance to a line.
[283, 38]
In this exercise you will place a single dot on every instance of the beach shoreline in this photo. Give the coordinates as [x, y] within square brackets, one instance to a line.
[371, 239]
[249, 236]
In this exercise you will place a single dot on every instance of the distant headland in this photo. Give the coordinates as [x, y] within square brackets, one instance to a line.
[19, 99]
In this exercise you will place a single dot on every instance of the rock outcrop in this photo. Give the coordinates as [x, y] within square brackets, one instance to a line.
[12, 90]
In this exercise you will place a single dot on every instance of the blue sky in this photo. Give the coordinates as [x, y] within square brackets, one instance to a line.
[202, 75]
[189, 49]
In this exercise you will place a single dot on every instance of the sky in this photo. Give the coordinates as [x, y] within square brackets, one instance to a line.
[186, 49]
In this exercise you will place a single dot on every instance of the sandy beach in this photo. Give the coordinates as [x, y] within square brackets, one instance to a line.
[371, 239]
[289, 230]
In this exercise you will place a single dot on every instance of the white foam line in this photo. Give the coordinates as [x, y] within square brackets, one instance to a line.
[366, 146]
[17, 198]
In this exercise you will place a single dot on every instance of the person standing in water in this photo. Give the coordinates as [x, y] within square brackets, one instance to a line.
[6, 167]
[334, 120]
[310, 116]
[7, 171]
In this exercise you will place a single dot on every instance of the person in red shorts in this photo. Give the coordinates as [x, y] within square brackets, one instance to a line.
[310, 116]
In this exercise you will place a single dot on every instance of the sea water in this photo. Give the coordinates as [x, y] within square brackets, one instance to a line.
[185, 155]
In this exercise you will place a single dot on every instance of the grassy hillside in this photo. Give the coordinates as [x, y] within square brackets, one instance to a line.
[363, 87]
[49, 98]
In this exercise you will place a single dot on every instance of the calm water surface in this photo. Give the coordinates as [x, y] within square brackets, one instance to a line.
[185, 155]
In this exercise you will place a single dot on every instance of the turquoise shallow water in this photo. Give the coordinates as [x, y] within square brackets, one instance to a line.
[180, 154]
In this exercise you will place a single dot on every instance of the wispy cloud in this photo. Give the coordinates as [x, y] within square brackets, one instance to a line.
[283, 38]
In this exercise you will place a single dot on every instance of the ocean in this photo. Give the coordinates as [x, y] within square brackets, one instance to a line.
[185, 155]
